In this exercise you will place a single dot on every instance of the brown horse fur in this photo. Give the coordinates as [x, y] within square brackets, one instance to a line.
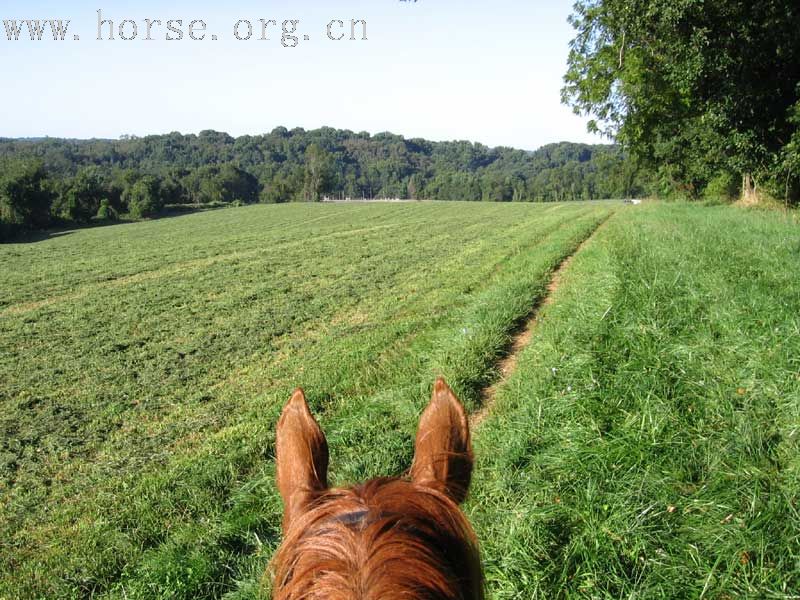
[387, 539]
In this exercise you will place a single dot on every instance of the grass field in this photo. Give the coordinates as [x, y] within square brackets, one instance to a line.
[646, 445]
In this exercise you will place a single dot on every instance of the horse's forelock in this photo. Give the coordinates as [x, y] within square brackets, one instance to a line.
[385, 539]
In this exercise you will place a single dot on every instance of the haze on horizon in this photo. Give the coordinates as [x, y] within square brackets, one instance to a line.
[440, 71]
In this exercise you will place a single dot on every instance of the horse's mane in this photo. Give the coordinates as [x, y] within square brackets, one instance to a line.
[386, 539]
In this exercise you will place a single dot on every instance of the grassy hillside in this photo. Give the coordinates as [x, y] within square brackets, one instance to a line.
[646, 444]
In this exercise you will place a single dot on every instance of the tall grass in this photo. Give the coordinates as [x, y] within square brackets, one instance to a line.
[647, 445]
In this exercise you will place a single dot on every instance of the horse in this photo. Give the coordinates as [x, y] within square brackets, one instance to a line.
[390, 538]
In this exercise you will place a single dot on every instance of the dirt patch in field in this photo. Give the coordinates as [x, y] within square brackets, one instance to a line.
[523, 334]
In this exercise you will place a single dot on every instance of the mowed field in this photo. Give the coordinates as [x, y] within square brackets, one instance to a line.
[646, 445]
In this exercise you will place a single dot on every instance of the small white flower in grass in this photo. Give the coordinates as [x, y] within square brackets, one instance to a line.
[569, 388]
[554, 371]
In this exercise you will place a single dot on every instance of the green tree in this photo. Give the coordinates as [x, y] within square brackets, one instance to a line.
[25, 194]
[221, 183]
[106, 211]
[693, 88]
[277, 189]
[143, 197]
[80, 198]
[317, 173]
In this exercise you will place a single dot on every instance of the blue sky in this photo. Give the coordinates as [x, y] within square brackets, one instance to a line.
[483, 71]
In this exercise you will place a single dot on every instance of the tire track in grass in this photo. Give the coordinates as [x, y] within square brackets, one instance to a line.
[412, 306]
[523, 334]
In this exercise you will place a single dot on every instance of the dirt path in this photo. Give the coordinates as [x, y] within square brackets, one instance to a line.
[524, 333]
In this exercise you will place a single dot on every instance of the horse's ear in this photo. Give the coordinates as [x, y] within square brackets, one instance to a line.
[302, 458]
[443, 452]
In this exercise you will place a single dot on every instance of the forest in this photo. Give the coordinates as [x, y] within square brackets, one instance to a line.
[55, 181]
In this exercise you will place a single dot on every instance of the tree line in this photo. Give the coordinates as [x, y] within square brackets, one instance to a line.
[46, 181]
[705, 94]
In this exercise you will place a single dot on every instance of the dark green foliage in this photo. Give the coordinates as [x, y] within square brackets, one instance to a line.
[106, 212]
[173, 191]
[723, 187]
[318, 173]
[693, 88]
[25, 193]
[143, 197]
[220, 183]
[787, 171]
[301, 165]
[275, 191]
[80, 198]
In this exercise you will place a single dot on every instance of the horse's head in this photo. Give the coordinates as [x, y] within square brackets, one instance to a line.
[388, 538]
